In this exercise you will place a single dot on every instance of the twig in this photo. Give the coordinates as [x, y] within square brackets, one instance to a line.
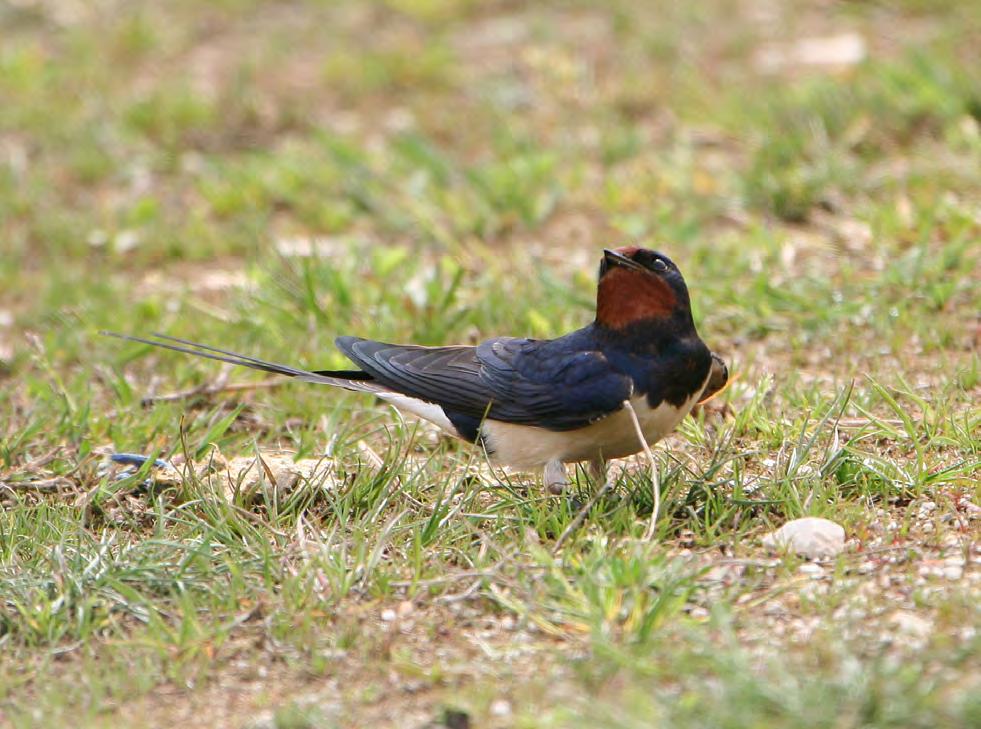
[863, 422]
[212, 389]
[38, 463]
[468, 574]
[459, 596]
[655, 480]
[32, 467]
[45, 484]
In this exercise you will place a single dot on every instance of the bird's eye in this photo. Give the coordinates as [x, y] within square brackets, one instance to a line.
[658, 265]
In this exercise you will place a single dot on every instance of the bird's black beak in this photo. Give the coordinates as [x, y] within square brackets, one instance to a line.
[718, 377]
[612, 258]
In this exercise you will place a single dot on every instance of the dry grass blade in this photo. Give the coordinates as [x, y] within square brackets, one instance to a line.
[214, 388]
[45, 484]
[655, 481]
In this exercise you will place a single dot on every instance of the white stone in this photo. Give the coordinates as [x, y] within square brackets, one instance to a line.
[911, 626]
[953, 572]
[841, 51]
[814, 571]
[809, 537]
[953, 568]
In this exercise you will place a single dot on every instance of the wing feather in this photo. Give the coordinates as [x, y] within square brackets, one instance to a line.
[520, 381]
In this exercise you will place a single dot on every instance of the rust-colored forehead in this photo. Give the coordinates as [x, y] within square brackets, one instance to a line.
[627, 251]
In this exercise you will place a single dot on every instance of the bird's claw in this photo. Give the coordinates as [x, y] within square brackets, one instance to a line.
[555, 478]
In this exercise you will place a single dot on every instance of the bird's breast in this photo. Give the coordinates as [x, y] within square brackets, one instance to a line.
[527, 447]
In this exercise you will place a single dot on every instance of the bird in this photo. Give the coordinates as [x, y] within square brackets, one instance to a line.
[535, 404]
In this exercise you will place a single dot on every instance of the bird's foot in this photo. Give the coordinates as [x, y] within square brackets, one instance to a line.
[596, 470]
[555, 479]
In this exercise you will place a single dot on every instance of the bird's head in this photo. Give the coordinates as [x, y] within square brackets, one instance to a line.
[637, 286]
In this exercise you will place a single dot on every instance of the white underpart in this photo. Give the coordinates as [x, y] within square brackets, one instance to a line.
[526, 447]
[425, 410]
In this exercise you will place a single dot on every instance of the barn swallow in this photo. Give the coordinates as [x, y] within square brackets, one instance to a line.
[534, 403]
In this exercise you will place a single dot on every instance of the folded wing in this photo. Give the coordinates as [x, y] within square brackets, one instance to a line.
[521, 381]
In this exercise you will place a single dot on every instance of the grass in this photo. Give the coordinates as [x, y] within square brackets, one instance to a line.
[265, 176]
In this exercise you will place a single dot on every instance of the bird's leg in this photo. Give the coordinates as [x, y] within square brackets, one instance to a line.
[555, 478]
[597, 472]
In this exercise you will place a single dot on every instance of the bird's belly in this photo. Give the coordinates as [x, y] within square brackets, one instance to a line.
[527, 447]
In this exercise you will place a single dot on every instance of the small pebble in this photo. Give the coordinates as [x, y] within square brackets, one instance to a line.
[698, 613]
[953, 568]
[953, 572]
[809, 537]
[911, 626]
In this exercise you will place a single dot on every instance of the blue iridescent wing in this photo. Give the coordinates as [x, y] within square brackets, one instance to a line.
[550, 384]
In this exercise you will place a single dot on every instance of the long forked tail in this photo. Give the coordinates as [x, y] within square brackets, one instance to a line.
[348, 379]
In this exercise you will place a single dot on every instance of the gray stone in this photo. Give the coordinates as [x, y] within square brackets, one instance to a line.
[809, 537]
